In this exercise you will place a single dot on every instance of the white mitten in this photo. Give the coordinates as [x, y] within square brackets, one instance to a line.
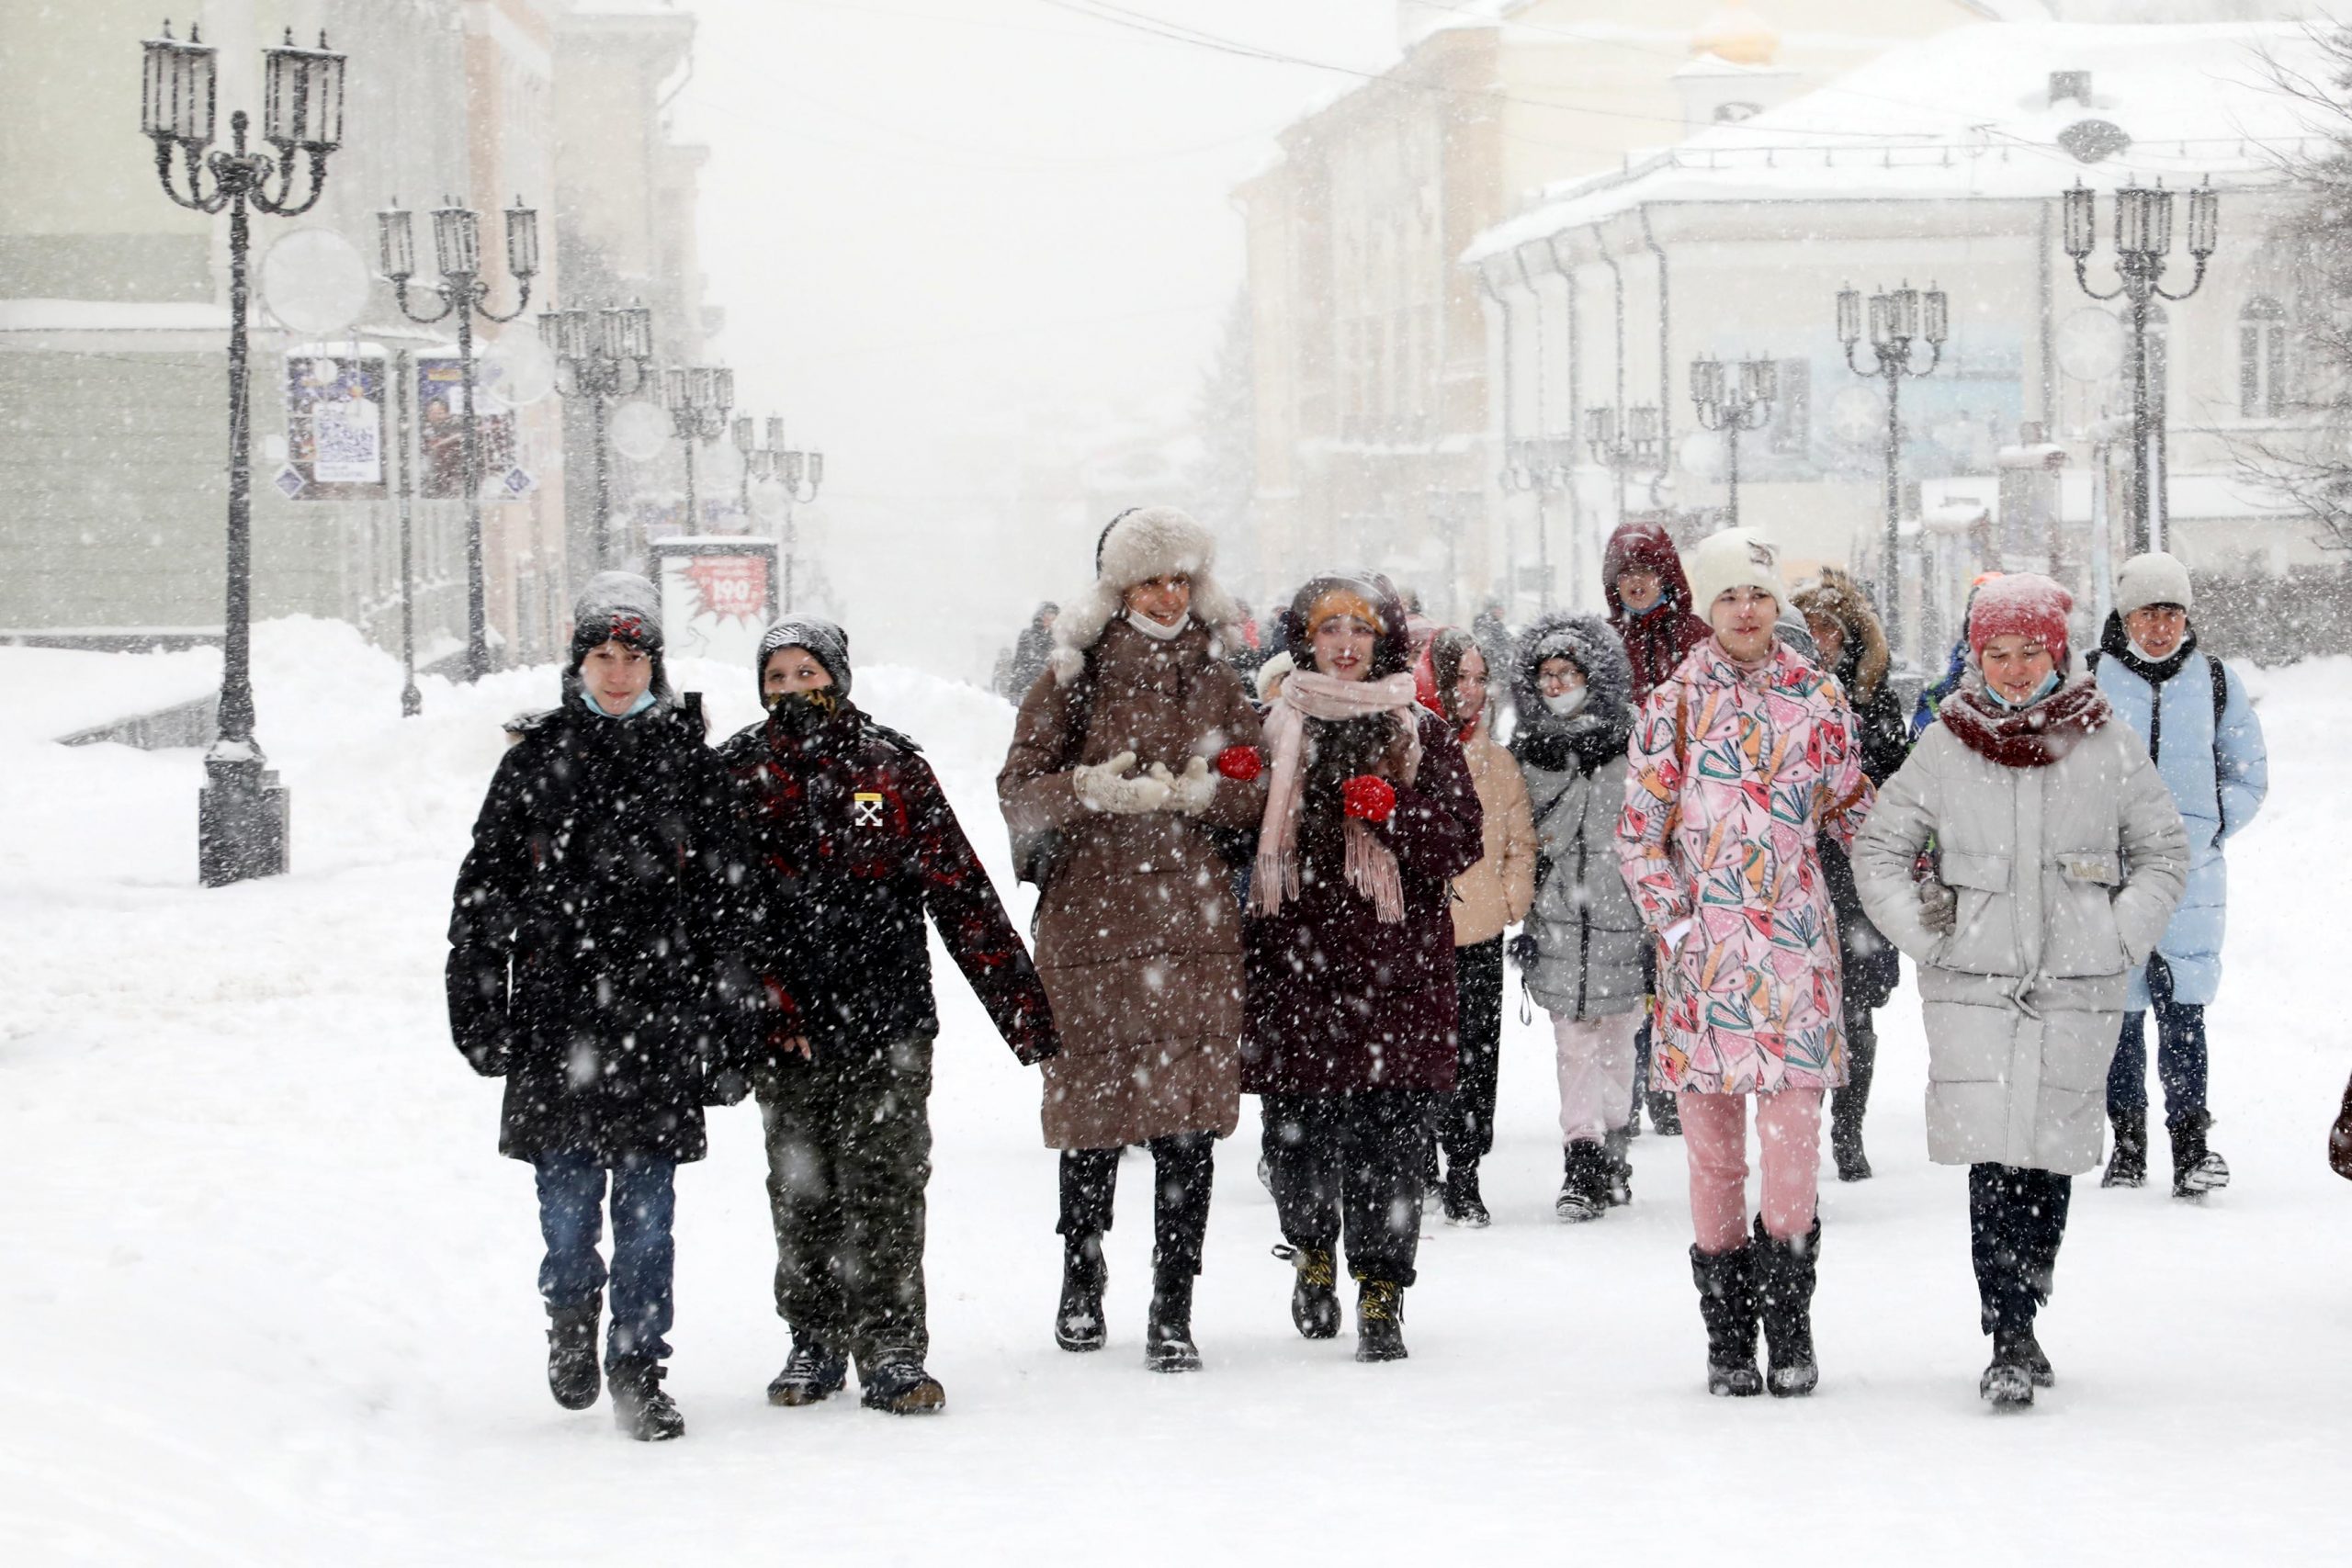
[1190, 792]
[1106, 786]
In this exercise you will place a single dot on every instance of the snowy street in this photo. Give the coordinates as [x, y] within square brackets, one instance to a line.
[268, 1288]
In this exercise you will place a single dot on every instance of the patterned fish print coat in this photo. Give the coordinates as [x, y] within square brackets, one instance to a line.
[1734, 775]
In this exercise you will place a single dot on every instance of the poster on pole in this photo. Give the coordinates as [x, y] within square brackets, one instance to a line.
[441, 431]
[334, 423]
[718, 595]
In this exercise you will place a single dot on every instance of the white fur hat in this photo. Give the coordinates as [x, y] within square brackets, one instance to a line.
[1140, 544]
[2155, 578]
[1735, 558]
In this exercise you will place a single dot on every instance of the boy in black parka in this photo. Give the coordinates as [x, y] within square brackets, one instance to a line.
[595, 964]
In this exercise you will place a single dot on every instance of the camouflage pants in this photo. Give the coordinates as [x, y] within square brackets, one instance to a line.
[849, 1155]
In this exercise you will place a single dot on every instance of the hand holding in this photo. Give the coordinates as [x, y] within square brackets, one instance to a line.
[1107, 786]
[1938, 907]
[1191, 792]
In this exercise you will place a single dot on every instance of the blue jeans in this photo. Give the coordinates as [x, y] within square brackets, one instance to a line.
[2180, 1055]
[572, 1198]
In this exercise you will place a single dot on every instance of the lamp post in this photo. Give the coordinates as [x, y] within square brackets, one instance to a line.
[1898, 320]
[759, 462]
[241, 811]
[795, 470]
[412, 700]
[2142, 241]
[457, 251]
[1730, 406]
[1623, 446]
[604, 354]
[698, 397]
[1541, 466]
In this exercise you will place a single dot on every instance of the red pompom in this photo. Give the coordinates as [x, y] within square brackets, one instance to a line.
[1369, 799]
[1240, 763]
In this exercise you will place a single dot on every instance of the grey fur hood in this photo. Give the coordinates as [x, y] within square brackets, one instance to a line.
[1587, 639]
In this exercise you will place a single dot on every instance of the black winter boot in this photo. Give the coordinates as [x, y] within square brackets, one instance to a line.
[1167, 1338]
[814, 1372]
[1584, 1190]
[1726, 1283]
[2196, 1169]
[1665, 1114]
[641, 1407]
[1784, 1273]
[1617, 1170]
[1463, 1204]
[900, 1387]
[572, 1355]
[1313, 1295]
[1846, 1135]
[1077, 1318]
[2128, 1165]
[2019, 1368]
[1380, 1321]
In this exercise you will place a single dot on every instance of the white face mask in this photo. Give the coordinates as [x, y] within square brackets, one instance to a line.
[1154, 630]
[1568, 705]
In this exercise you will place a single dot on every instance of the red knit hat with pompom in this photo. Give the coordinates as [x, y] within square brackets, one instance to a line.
[2023, 602]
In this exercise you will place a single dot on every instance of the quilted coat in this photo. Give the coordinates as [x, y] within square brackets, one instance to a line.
[2218, 780]
[2065, 876]
[1737, 771]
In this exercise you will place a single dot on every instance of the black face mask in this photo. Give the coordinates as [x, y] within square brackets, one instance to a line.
[798, 712]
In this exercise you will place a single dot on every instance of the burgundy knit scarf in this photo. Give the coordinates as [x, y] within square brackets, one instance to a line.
[2025, 738]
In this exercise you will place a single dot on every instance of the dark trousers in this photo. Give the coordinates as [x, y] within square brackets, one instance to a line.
[644, 1201]
[1183, 1165]
[2180, 1053]
[1465, 1118]
[1351, 1161]
[2016, 1219]
[1642, 1035]
[1847, 1105]
[849, 1155]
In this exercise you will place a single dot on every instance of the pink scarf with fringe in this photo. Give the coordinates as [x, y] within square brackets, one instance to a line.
[1371, 863]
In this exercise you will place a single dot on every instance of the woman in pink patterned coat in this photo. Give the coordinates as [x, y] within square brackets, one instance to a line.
[1741, 758]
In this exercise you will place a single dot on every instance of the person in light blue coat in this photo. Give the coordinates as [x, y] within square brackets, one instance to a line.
[2200, 730]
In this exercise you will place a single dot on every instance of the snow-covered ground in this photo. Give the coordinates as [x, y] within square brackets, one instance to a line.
[267, 1291]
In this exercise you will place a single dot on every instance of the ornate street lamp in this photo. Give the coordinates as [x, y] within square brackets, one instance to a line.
[2142, 242]
[241, 811]
[1899, 320]
[457, 251]
[698, 397]
[1622, 445]
[1729, 408]
[604, 354]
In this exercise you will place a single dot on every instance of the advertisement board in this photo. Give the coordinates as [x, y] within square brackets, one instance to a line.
[441, 431]
[336, 443]
[719, 595]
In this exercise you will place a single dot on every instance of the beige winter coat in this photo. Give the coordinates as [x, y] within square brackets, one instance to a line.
[2065, 876]
[1496, 892]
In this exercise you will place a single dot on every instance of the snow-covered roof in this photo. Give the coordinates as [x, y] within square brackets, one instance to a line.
[1967, 114]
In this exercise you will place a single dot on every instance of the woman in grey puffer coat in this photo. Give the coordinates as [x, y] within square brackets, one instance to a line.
[2059, 858]
[1580, 951]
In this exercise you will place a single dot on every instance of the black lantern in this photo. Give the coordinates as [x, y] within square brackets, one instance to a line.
[175, 100]
[303, 97]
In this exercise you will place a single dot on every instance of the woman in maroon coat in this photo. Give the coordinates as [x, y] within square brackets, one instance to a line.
[1349, 951]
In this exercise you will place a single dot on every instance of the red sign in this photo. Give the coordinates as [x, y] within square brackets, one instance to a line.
[730, 587]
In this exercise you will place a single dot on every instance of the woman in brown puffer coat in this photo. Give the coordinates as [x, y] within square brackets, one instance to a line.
[1133, 776]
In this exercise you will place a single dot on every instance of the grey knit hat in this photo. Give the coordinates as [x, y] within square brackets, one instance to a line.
[826, 640]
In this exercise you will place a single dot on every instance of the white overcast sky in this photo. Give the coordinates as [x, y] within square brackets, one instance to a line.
[923, 215]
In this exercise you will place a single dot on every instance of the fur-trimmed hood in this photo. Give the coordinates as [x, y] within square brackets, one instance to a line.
[1138, 545]
[1595, 648]
[1391, 655]
[1835, 596]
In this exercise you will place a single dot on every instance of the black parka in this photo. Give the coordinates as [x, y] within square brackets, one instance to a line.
[595, 953]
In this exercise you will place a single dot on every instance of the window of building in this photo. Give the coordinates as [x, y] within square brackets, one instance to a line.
[2262, 359]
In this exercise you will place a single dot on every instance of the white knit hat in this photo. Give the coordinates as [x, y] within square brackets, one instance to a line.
[1737, 558]
[2152, 579]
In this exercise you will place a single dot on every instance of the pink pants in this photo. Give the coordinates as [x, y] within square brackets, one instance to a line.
[1715, 1138]
[1596, 1062]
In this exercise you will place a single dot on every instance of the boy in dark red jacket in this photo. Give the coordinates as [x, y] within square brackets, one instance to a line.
[852, 841]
